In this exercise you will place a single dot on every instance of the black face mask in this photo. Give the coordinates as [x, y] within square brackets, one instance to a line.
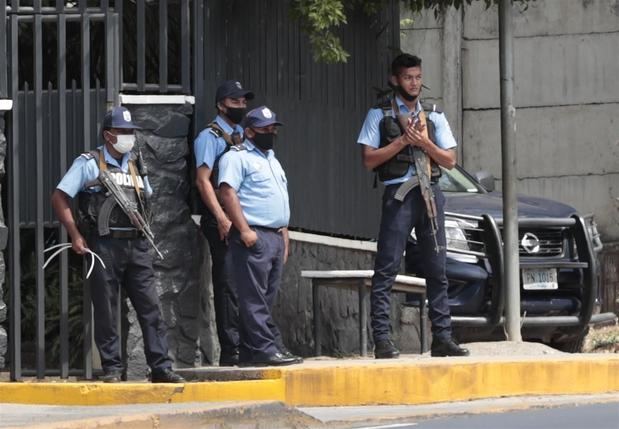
[405, 95]
[236, 114]
[264, 141]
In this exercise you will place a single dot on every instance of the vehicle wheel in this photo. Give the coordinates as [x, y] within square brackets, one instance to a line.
[571, 344]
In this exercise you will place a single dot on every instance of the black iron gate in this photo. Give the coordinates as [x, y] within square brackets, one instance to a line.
[61, 80]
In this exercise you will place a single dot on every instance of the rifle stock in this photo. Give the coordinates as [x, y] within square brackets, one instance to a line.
[130, 208]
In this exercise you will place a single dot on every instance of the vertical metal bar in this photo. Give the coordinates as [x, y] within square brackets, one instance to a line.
[508, 154]
[141, 45]
[39, 241]
[87, 145]
[14, 221]
[185, 47]
[163, 45]
[36, 6]
[62, 141]
[363, 318]
[118, 7]
[4, 69]
[422, 323]
[110, 83]
[198, 61]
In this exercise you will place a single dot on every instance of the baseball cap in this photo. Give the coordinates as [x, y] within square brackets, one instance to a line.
[119, 117]
[260, 117]
[232, 89]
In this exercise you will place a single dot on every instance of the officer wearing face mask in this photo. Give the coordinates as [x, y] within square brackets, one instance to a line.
[215, 140]
[125, 252]
[254, 192]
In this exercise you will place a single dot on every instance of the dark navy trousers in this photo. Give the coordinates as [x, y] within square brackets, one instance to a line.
[257, 273]
[128, 265]
[225, 300]
[397, 221]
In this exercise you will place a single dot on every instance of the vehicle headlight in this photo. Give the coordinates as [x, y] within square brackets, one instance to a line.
[456, 239]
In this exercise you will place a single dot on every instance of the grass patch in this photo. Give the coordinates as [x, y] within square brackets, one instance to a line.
[602, 340]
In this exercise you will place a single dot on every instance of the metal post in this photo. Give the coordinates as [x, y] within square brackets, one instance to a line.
[363, 319]
[508, 154]
[317, 326]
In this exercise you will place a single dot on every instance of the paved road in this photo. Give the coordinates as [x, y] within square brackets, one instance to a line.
[544, 412]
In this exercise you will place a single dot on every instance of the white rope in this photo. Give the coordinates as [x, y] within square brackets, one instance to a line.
[64, 246]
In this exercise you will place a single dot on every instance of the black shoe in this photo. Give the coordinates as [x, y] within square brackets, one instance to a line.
[166, 375]
[297, 359]
[276, 359]
[447, 347]
[385, 349]
[112, 376]
[229, 360]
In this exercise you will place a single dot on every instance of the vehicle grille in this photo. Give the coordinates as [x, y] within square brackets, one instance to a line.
[551, 242]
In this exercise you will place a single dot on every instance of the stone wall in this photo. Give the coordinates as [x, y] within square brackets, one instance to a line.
[180, 278]
[3, 236]
[339, 308]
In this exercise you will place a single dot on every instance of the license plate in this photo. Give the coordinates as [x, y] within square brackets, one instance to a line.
[539, 279]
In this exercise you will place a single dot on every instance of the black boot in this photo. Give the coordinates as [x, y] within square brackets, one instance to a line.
[447, 347]
[385, 349]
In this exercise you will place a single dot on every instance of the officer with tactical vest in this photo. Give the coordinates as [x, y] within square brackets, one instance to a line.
[104, 228]
[394, 134]
[215, 140]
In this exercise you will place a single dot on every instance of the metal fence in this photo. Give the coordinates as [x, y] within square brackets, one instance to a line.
[66, 64]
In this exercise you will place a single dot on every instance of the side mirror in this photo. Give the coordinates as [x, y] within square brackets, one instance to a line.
[485, 179]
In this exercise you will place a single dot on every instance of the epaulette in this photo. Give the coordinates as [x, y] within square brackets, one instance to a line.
[216, 131]
[238, 147]
[430, 107]
[90, 155]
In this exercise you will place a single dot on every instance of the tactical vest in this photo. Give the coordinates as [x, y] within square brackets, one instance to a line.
[390, 130]
[214, 128]
[93, 205]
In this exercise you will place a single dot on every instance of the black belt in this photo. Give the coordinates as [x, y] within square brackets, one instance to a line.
[124, 233]
[266, 228]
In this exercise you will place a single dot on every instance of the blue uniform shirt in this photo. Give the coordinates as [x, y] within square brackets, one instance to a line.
[370, 133]
[260, 183]
[208, 146]
[85, 169]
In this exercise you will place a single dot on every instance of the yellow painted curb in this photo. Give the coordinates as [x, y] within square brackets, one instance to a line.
[437, 381]
[140, 393]
[358, 382]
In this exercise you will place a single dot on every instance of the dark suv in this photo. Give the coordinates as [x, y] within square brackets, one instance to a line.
[558, 264]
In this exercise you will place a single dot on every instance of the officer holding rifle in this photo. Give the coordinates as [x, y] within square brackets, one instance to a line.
[113, 190]
[405, 142]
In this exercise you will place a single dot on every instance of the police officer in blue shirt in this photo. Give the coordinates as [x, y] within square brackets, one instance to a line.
[386, 149]
[209, 146]
[255, 195]
[124, 250]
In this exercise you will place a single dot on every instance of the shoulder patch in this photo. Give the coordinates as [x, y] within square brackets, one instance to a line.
[431, 107]
[238, 147]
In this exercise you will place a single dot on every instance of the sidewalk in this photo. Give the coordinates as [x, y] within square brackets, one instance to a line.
[493, 370]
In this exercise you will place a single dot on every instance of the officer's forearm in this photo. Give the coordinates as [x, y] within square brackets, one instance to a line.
[373, 157]
[60, 204]
[207, 192]
[444, 157]
[233, 207]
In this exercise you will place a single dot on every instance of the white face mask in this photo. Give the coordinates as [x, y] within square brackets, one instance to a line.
[124, 143]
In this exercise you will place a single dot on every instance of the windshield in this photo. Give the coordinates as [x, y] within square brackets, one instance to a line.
[455, 180]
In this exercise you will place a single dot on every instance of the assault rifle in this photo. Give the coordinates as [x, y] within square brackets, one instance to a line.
[424, 173]
[129, 207]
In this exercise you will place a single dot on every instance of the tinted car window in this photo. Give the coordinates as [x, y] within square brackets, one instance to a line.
[455, 180]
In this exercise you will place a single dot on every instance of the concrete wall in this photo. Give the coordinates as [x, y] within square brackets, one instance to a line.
[566, 95]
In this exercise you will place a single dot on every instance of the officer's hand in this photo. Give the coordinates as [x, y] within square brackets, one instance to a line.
[79, 245]
[223, 226]
[249, 237]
